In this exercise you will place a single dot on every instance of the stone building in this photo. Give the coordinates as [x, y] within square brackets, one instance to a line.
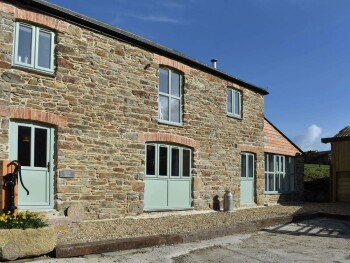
[122, 125]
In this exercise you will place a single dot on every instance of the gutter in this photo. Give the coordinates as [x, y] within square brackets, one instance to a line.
[104, 28]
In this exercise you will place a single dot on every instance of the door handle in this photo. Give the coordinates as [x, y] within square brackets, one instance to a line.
[48, 166]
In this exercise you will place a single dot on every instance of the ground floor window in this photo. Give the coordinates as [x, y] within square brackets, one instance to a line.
[279, 173]
[167, 177]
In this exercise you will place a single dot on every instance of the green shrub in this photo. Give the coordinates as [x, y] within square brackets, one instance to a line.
[22, 220]
[315, 171]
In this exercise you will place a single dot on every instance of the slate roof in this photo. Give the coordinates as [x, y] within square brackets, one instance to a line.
[112, 31]
[343, 135]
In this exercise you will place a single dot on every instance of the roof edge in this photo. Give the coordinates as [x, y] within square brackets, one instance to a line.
[88, 22]
[335, 139]
[296, 146]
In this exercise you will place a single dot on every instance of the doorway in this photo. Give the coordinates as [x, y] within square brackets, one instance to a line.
[33, 146]
[247, 178]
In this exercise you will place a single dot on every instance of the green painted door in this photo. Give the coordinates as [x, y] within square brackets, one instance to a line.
[32, 146]
[168, 177]
[247, 178]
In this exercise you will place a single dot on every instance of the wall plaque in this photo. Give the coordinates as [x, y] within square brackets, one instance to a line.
[67, 174]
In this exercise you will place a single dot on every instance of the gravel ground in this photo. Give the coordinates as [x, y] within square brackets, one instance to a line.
[169, 223]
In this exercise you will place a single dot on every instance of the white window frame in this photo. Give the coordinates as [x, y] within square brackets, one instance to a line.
[35, 48]
[233, 102]
[169, 161]
[281, 172]
[247, 154]
[170, 96]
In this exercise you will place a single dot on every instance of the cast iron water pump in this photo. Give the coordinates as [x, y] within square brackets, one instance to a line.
[10, 183]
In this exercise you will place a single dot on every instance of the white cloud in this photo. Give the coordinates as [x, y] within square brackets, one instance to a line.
[311, 139]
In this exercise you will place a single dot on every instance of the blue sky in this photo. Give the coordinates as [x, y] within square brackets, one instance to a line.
[297, 49]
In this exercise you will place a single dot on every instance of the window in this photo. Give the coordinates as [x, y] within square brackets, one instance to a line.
[279, 173]
[168, 161]
[169, 96]
[234, 103]
[33, 47]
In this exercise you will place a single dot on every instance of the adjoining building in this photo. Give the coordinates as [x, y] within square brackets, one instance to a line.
[340, 165]
[122, 125]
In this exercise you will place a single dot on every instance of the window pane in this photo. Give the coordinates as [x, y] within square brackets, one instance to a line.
[250, 165]
[270, 183]
[186, 163]
[175, 110]
[163, 107]
[277, 182]
[40, 148]
[229, 100]
[150, 160]
[175, 162]
[23, 150]
[163, 161]
[24, 44]
[44, 50]
[243, 165]
[277, 164]
[271, 163]
[164, 80]
[237, 103]
[175, 84]
[290, 165]
[282, 164]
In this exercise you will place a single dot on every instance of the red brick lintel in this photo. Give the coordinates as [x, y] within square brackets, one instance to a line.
[24, 113]
[158, 59]
[167, 137]
[38, 18]
[249, 148]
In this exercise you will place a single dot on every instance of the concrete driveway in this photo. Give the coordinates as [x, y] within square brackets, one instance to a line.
[316, 240]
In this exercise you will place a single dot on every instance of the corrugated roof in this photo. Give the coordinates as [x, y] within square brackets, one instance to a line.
[344, 132]
[342, 135]
[88, 22]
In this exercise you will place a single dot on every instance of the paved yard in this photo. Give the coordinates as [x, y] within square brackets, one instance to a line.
[316, 240]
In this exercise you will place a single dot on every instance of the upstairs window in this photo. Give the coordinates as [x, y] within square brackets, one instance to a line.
[33, 47]
[170, 97]
[234, 103]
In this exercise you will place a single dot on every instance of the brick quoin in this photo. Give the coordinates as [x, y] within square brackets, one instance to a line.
[167, 137]
[171, 63]
[33, 115]
[34, 17]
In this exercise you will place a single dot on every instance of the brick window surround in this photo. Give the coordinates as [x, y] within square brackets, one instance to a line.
[34, 17]
[167, 137]
[24, 113]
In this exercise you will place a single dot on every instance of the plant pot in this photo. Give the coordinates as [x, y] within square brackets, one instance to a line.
[21, 243]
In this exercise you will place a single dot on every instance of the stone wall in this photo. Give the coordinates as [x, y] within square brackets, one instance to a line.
[102, 99]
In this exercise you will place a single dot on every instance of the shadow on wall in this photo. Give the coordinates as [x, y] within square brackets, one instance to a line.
[317, 190]
[216, 203]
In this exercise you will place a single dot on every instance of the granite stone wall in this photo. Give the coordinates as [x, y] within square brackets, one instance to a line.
[102, 100]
